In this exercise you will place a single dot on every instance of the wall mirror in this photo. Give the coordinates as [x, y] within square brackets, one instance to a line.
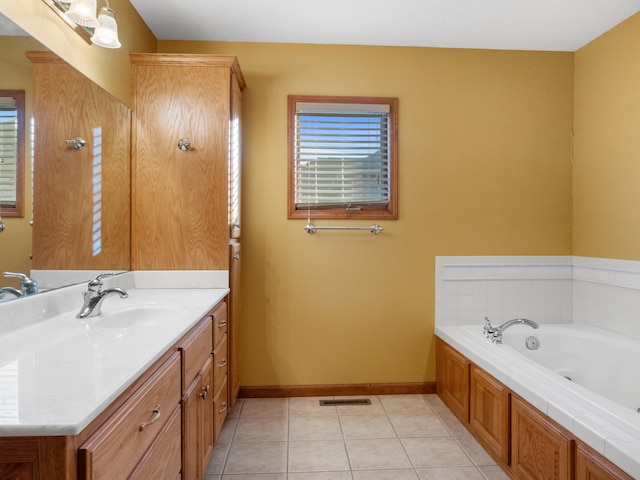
[78, 200]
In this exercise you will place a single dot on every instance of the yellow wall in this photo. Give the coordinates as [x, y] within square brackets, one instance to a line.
[109, 68]
[485, 169]
[15, 241]
[607, 138]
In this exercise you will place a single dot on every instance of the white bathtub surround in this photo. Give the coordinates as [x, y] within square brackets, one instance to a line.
[607, 427]
[600, 292]
[502, 288]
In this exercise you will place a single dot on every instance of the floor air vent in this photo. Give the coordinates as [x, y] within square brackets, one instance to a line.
[352, 401]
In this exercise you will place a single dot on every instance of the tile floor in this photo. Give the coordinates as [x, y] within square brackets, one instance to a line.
[397, 437]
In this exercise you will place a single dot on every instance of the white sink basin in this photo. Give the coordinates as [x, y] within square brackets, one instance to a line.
[135, 315]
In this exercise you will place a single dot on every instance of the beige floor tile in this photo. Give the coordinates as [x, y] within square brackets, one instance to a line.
[344, 475]
[228, 430]
[218, 458]
[394, 404]
[262, 429]
[474, 450]
[208, 476]
[317, 456]
[235, 411]
[256, 476]
[374, 409]
[367, 426]
[404, 474]
[418, 425]
[377, 454]
[257, 457]
[265, 407]
[314, 428]
[436, 403]
[435, 452]
[450, 473]
[452, 423]
[310, 406]
[493, 473]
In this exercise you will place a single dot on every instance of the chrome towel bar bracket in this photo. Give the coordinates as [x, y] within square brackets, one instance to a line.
[310, 228]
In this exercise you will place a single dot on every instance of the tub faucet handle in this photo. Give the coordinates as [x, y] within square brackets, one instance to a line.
[488, 328]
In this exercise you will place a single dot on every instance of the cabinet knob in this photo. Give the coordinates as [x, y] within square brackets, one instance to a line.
[184, 144]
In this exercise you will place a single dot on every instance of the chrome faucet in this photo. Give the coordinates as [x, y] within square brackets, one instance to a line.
[28, 286]
[497, 332]
[13, 291]
[94, 296]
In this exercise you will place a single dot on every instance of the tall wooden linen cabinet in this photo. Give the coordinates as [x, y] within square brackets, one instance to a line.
[186, 151]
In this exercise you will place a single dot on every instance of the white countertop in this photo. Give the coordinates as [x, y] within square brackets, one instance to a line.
[58, 374]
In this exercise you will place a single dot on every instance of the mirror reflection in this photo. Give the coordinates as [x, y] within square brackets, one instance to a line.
[76, 199]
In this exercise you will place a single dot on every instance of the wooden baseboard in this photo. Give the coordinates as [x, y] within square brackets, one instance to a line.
[279, 391]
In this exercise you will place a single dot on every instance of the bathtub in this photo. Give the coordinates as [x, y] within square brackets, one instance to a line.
[584, 378]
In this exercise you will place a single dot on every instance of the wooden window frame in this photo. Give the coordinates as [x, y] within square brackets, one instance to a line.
[388, 212]
[18, 209]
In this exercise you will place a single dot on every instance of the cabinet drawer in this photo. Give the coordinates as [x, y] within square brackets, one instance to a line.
[220, 409]
[220, 363]
[163, 458]
[115, 449]
[220, 322]
[195, 350]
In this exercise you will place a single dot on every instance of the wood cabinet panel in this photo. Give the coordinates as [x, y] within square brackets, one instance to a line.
[489, 413]
[452, 380]
[195, 351]
[180, 198]
[541, 450]
[163, 460]
[220, 323]
[220, 408]
[115, 449]
[234, 323]
[590, 465]
[65, 204]
[220, 363]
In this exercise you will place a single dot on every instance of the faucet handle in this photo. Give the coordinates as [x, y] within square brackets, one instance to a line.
[96, 283]
[488, 328]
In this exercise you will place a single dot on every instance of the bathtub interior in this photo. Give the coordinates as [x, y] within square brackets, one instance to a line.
[605, 364]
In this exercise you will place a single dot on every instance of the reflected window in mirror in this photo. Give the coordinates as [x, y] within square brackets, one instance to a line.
[12, 152]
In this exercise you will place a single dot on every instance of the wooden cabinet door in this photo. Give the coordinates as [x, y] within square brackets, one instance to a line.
[234, 324]
[206, 416]
[452, 380]
[180, 197]
[489, 413]
[190, 431]
[590, 465]
[541, 449]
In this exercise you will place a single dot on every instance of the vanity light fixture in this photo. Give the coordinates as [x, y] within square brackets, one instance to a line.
[83, 12]
[106, 33]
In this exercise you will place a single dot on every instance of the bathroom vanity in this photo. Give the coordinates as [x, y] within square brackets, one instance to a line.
[137, 392]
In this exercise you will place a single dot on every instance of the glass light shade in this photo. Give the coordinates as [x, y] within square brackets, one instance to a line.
[106, 33]
[83, 12]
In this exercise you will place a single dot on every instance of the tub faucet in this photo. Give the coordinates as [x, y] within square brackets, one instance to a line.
[497, 333]
[94, 296]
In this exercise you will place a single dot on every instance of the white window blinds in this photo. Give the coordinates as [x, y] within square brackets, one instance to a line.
[341, 156]
[8, 150]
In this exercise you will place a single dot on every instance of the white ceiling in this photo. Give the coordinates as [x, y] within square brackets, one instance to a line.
[556, 25]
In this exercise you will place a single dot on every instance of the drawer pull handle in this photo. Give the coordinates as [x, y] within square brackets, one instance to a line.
[204, 392]
[223, 363]
[156, 417]
[222, 324]
[223, 408]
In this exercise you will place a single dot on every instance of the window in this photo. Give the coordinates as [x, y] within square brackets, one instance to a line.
[342, 157]
[12, 152]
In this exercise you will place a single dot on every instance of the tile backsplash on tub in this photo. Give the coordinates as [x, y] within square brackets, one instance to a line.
[600, 292]
[502, 288]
